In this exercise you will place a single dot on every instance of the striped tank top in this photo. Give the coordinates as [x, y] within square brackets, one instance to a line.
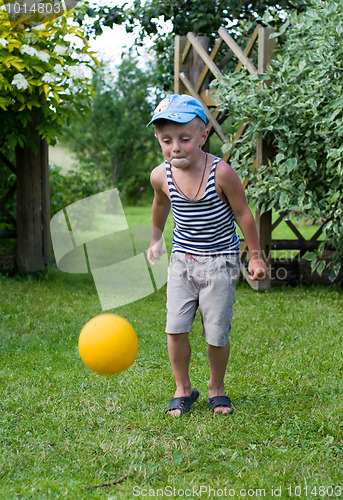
[205, 226]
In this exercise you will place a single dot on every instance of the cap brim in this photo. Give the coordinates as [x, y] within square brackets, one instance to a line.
[180, 118]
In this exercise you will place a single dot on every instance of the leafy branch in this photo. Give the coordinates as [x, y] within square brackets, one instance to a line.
[301, 116]
[45, 78]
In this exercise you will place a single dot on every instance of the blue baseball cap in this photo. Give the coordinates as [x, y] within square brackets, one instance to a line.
[179, 108]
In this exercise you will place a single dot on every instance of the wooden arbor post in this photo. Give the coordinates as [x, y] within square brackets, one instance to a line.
[33, 208]
[263, 154]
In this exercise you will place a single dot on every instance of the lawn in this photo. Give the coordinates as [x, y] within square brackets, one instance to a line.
[69, 433]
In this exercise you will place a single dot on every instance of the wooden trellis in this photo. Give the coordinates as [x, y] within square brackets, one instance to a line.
[195, 66]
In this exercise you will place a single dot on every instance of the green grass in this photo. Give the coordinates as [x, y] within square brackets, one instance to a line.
[69, 433]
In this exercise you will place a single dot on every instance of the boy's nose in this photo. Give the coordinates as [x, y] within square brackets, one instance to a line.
[176, 146]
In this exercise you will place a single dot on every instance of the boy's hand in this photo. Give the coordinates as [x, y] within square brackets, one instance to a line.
[258, 270]
[155, 251]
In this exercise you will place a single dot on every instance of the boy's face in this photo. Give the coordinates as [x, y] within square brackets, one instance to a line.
[181, 142]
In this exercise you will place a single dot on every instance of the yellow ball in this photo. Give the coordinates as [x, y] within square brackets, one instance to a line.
[108, 344]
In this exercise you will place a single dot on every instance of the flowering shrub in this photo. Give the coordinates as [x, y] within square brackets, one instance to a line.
[45, 78]
[301, 115]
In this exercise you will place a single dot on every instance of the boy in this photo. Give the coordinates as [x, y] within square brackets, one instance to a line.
[206, 196]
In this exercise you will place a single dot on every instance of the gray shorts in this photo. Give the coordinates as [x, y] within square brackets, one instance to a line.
[207, 283]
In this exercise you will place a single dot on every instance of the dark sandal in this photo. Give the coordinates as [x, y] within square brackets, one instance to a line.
[184, 403]
[220, 401]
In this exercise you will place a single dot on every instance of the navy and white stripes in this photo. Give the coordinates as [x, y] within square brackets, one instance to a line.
[205, 226]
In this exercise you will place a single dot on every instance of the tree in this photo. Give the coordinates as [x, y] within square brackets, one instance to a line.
[42, 85]
[201, 17]
[149, 19]
[301, 115]
[115, 140]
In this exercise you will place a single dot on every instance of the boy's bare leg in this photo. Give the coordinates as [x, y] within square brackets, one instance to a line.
[218, 358]
[179, 350]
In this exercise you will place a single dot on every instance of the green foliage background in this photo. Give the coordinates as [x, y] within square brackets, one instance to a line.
[114, 147]
[300, 115]
[161, 21]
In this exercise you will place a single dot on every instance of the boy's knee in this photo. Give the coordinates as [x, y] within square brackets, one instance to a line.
[177, 337]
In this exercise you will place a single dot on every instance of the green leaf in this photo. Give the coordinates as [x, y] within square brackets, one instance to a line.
[291, 164]
[310, 256]
[226, 146]
[312, 163]
[279, 157]
[334, 272]
[320, 268]
[314, 264]
[283, 200]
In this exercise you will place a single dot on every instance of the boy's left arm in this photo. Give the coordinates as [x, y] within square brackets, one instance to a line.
[230, 185]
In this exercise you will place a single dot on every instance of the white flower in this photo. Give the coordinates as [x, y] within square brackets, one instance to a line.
[58, 68]
[48, 78]
[43, 56]
[60, 50]
[31, 51]
[3, 42]
[39, 27]
[77, 72]
[26, 49]
[20, 82]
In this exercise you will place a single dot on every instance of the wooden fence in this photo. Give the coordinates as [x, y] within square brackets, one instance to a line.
[195, 67]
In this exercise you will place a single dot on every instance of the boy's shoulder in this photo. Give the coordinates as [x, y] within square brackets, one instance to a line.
[223, 166]
[227, 180]
[224, 171]
[158, 176]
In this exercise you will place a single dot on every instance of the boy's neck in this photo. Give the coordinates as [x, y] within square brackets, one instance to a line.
[189, 183]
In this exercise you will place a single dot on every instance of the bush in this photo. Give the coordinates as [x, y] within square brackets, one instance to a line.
[300, 115]
[43, 78]
[68, 187]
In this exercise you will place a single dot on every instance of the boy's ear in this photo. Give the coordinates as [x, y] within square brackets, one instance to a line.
[204, 137]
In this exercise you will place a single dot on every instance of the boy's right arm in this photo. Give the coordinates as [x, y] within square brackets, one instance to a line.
[160, 211]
